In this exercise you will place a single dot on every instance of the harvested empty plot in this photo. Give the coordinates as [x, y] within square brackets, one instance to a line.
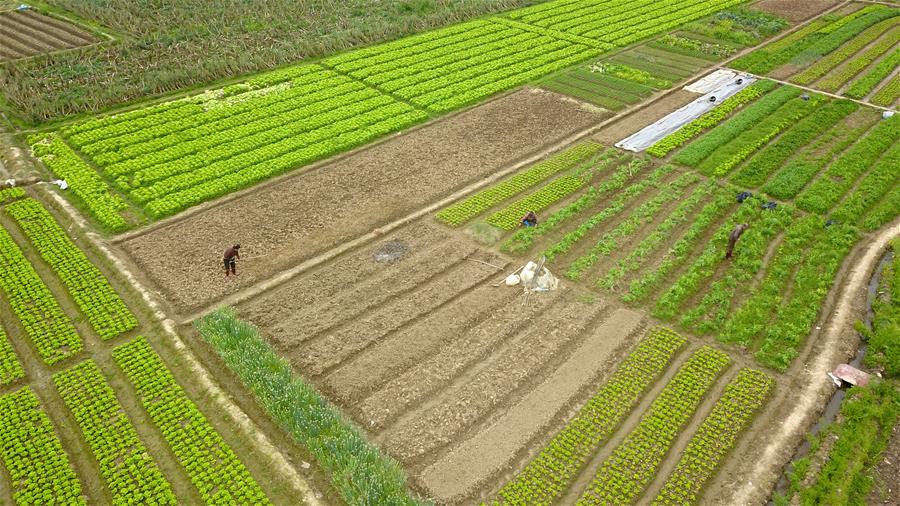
[300, 217]
[28, 33]
[795, 11]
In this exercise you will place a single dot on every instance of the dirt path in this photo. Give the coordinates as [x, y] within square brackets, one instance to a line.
[631, 123]
[811, 385]
[483, 456]
[300, 217]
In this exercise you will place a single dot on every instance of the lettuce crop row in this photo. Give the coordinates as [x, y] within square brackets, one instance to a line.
[838, 56]
[873, 186]
[710, 314]
[45, 323]
[132, 135]
[823, 194]
[32, 454]
[128, 470]
[623, 475]
[322, 121]
[729, 156]
[797, 173]
[760, 167]
[524, 238]
[731, 414]
[124, 123]
[463, 211]
[210, 463]
[358, 470]
[887, 210]
[722, 134]
[796, 316]
[834, 81]
[179, 138]
[638, 255]
[888, 94]
[561, 187]
[553, 470]
[865, 84]
[748, 321]
[710, 119]
[616, 206]
[301, 150]
[10, 367]
[668, 14]
[645, 214]
[97, 300]
[11, 194]
[816, 40]
[575, 39]
[640, 288]
[104, 205]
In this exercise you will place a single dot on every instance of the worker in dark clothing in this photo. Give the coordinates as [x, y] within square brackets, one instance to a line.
[231, 256]
[529, 220]
[734, 236]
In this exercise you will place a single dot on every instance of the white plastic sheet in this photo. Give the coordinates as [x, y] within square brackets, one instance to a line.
[674, 121]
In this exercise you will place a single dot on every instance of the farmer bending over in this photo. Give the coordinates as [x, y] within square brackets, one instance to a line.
[733, 238]
[231, 256]
[529, 220]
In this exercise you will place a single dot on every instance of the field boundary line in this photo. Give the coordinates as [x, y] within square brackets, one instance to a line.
[810, 382]
[813, 90]
[248, 427]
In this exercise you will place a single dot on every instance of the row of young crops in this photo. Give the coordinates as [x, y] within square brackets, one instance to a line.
[656, 235]
[41, 466]
[155, 161]
[625, 474]
[854, 54]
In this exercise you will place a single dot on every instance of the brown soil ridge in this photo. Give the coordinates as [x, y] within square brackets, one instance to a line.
[329, 350]
[396, 397]
[479, 458]
[403, 351]
[310, 320]
[809, 387]
[436, 425]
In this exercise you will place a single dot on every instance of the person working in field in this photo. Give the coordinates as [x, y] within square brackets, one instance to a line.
[231, 256]
[529, 220]
[733, 238]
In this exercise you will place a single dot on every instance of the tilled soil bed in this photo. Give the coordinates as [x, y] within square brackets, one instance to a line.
[297, 218]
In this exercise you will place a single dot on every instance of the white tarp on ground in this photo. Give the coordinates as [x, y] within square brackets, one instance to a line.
[674, 121]
[711, 82]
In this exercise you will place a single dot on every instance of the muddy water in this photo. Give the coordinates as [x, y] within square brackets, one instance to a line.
[834, 404]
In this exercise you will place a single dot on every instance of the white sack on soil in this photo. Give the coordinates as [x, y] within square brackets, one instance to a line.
[674, 121]
[541, 282]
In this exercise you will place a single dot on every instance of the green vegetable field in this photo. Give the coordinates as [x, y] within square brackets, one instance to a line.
[416, 252]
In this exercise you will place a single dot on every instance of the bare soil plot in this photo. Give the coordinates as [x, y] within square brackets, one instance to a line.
[28, 33]
[795, 11]
[281, 224]
[429, 357]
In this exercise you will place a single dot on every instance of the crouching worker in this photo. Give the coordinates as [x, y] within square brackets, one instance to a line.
[231, 256]
[529, 220]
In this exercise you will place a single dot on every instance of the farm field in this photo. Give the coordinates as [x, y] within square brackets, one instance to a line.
[369, 347]
[28, 33]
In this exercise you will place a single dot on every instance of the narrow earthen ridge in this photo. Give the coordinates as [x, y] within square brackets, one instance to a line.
[812, 380]
[276, 459]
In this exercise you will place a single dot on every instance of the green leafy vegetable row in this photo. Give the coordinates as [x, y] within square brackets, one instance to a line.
[836, 57]
[102, 306]
[731, 414]
[32, 454]
[45, 323]
[211, 464]
[865, 84]
[525, 238]
[467, 209]
[128, 470]
[554, 469]
[633, 464]
[10, 367]
[11, 194]
[835, 80]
